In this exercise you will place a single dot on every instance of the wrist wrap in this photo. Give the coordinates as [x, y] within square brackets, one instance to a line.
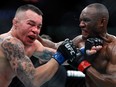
[83, 65]
[59, 57]
[82, 50]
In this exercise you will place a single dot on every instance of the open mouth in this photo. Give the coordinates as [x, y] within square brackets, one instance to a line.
[32, 37]
[84, 32]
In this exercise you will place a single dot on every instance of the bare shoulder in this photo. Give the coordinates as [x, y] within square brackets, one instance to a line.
[38, 45]
[9, 37]
[78, 41]
[12, 41]
[78, 37]
[12, 46]
[111, 47]
[112, 41]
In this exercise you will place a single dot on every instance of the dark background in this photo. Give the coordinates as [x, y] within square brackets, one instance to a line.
[61, 17]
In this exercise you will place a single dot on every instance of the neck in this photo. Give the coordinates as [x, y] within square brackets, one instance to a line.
[105, 37]
[12, 32]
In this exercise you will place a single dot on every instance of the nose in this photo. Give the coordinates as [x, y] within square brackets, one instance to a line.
[35, 30]
[82, 24]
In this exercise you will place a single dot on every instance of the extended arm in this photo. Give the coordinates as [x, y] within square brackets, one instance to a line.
[49, 43]
[23, 67]
[101, 80]
[44, 55]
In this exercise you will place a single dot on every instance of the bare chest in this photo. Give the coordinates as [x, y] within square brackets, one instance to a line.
[101, 61]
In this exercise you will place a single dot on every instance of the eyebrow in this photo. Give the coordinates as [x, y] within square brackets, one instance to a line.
[34, 22]
[39, 25]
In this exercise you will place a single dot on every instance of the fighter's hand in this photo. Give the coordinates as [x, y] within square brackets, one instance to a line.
[65, 51]
[93, 45]
[93, 50]
[79, 62]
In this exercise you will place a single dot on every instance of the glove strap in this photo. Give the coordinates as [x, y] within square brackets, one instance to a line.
[59, 57]
[82, 50]
[83, 65]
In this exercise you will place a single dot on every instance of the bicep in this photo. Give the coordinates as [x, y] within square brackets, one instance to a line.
[111, 68]
[44, 55]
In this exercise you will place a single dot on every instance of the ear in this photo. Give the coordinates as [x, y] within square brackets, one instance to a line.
[103, 22]
[14, 21]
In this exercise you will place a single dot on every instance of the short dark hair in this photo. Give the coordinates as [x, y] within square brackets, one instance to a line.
[29, 7]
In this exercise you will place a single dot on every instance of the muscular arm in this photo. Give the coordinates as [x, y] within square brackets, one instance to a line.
[49, 43]
[98, 79]
[78, 41]
[109, 78]
[101, 80]
[44, 56]
[23, 67]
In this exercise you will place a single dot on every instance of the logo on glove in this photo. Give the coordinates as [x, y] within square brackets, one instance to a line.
[68, 46]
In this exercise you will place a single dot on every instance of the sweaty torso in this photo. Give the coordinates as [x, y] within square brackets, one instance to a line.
[6, 72]
[102, 61]
[100, 64]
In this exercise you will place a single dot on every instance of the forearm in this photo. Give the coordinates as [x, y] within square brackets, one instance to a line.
[45, 72]
[101, 80]
[46, 42]
[49, 43]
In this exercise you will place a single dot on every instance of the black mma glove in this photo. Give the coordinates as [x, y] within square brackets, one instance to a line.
[80, 62]
[65, 51]
[90, 42]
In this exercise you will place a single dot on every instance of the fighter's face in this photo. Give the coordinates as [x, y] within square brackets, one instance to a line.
[88, 22]
[29, 27]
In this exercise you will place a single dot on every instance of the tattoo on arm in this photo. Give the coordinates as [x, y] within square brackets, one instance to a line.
[43, 56]
[20, 63]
